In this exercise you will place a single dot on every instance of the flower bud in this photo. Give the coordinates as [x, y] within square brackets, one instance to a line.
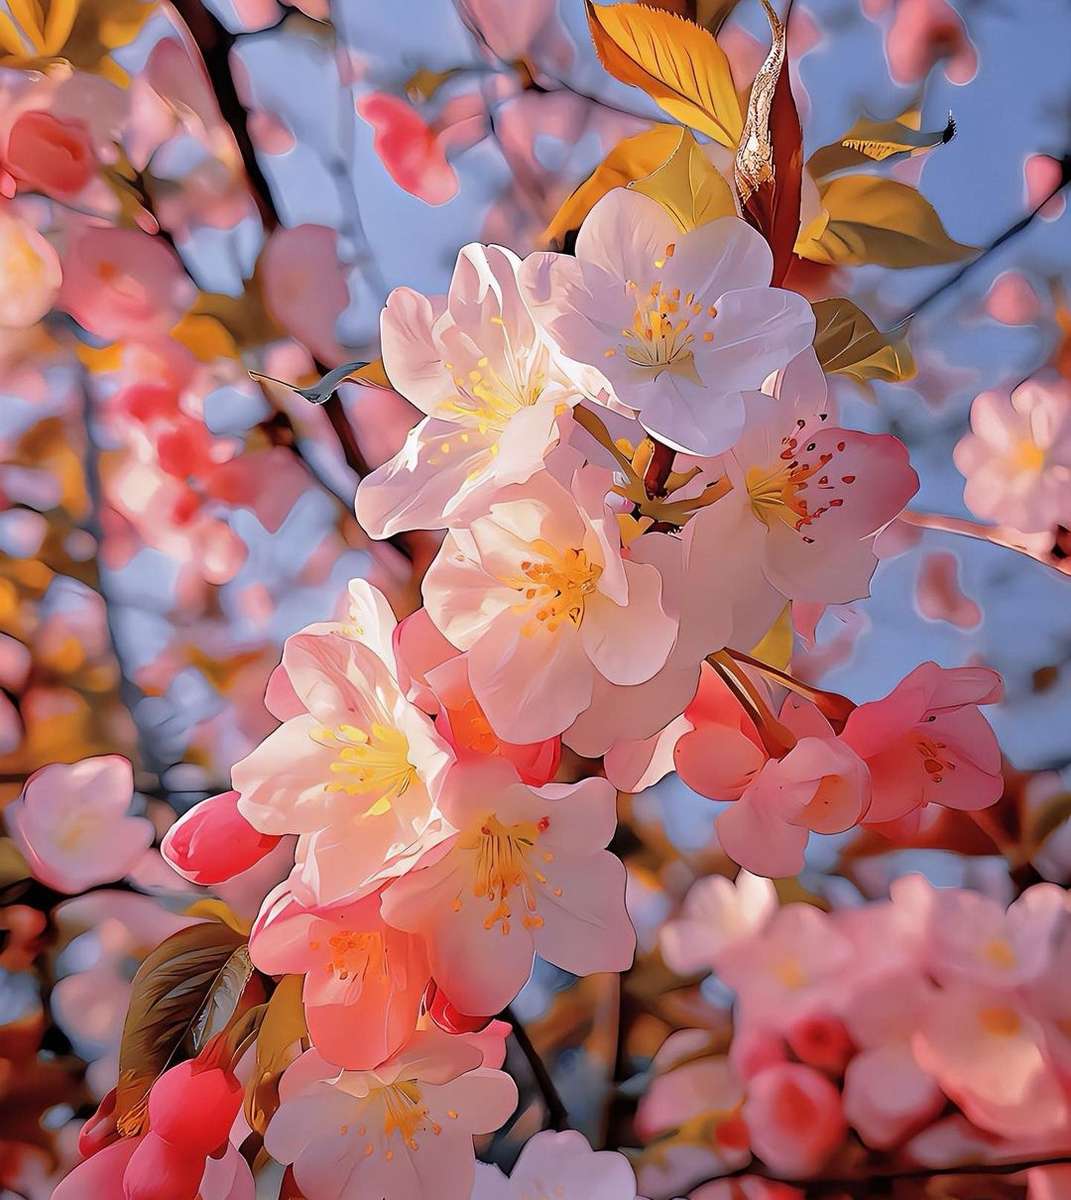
[214, 842]
[194, 1106]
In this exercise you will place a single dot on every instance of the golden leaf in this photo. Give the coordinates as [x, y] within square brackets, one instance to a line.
[372, 374]
[214, 909]
[712, 14]
[205, 337]
[282, 1029]
[174, 992]
[688, 185]
[13, 866]
[775, 646]
[880, 221]
[879, 141]
[676, 62]
[82, 32]
[631, 159]
[848, 342]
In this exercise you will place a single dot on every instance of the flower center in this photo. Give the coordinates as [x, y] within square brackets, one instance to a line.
[790, 973]
[934, 761]
[353, 955]
[502, 865]
[487, 400]
[1000, 1021]
[78, 829]
[998, 952]
[777, 493]
[558, 584]
[664, 328]
[1028, 456]
[365, 763]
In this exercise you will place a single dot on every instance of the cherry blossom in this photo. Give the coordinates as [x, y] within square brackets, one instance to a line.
[680, 324]
[213, 841]
[562, 1164]
[527, 873]
[491, 386]
[72, 823]
[1017, 457]
[403, 1130]
[541, 597]
[31, 273]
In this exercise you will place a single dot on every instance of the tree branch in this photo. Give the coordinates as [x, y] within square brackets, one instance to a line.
[557, 1114]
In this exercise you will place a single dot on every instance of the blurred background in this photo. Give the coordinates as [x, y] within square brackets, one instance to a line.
[237, 185]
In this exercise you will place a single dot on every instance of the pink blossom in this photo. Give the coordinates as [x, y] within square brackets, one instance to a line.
[363, 979]
[354, 768]
[1012, 300]
[527, 873]
[1017, 457]
[541, 597]
[717, 913]
[213, 841]
[1042, 176]
[50, 154]
[408, 148]
[938, 595]
[490, 384]
[679, 324]
[30, 274]
[795, 1118]
[71, 822]
[305, 286]
[404, 1130]
[121, 283]
[925, 32]
[816, 493]
[927, 743]
[559, 1164]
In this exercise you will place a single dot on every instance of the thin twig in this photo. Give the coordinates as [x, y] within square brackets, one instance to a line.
[557, 1113]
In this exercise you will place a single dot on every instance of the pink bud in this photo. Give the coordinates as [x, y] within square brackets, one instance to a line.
[795, 1118]
[820, 1041]
[214, 842]
[449, 1018]
[194, 1106]
[158, 1170]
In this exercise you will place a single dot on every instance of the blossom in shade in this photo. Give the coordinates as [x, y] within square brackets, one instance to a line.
[541, 597]
[363, 979]
[795, 1119]
[492, 387]
[527, 873]
[679, 324]
[562, 1165]
[73, 825]
[403, 1130]
[30, 273]
[355, 767]
[716, 913]
[927, 743]
[1017, 457]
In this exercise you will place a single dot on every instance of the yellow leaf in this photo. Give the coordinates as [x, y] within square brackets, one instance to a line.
[847, 341]
[372, 374]
[774, 648]
[880, 221]
[205, 338]
[878, 141]
[214, 909]
[58, 24]
[677, 63]
[278, 1045]
[688, 185]
[632, 158]
[712, 14]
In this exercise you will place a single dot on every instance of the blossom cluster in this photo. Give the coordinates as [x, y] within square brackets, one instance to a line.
[932, 1024]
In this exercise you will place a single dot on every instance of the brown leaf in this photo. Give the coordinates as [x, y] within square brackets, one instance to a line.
[880, 221]
[879, 141]
[688, 185]
[712, 14]
[283, 1026]
[181, 995]
[848, 342]
[676, 62]
[769, 163]
[631, 159]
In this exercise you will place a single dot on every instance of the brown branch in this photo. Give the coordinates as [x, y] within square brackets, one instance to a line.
[557, 1113]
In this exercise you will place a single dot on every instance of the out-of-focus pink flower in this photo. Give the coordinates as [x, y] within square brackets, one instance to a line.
[408, 148]
[364, 980]
[927, 743]
[121, 283]
[938, 593]
[562, 1165]
[924, 33]
[1042, 175]
[355, 768]
[101, 1175]
[679, 324]
[795, 1118]
[214, 842]
[404, 1129]
[305, 286]
[71, 822]
[490, 383]
[48, 154]
[1012, 300]
[527, 873]
[540, 596]
[821, 1041]
[30, 274]
[717, 913]
[1017, 457]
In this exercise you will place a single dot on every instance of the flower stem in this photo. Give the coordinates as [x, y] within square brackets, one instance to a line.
[557, 1113]
[832, 705]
